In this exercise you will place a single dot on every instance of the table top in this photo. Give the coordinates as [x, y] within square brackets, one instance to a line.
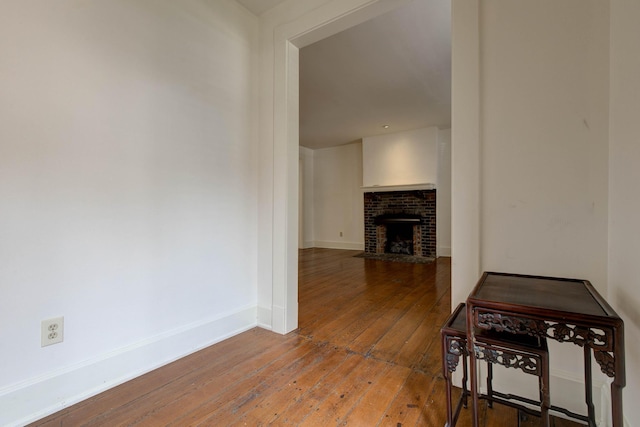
[565, 298]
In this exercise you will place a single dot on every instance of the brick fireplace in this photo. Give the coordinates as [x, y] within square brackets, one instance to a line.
[400, 222]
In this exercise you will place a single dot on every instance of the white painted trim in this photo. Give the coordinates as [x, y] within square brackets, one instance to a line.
[278, 318]
[425, 186]
[36, 398]
[605, 404]
[284, 245]
[264, 317]
[565, 384]
[465, 148]
[355, 246]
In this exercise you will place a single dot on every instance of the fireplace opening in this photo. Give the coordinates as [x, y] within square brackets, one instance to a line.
[399, 238]
[413, 211]
[399, 233]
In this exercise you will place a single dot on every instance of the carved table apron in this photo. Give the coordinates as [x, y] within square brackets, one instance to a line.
[566, 310]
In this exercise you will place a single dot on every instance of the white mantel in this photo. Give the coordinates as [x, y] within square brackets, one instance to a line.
[410, 187]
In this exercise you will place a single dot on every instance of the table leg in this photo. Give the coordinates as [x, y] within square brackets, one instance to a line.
[616, 405]
[588, 387]
[472, 367]
[619, 380]
[447, 378]
[490, 385]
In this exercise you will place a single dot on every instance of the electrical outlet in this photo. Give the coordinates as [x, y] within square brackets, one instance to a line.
[52, 331]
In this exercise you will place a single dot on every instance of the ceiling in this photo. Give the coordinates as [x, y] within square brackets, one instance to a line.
[393, 70]
[258, 6]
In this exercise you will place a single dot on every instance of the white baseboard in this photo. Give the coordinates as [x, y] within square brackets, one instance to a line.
[567, 390]
[444, 251]
[605, 403]
[264, 318]
[30, 401]
[355, 246]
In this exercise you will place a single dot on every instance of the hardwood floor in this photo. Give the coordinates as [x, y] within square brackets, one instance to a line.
[367, 353]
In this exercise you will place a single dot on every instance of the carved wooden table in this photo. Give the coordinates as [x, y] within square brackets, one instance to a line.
[566, 310]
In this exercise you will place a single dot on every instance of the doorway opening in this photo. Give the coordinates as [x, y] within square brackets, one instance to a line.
[331, 19]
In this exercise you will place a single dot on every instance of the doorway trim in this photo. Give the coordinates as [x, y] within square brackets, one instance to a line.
[315, 25]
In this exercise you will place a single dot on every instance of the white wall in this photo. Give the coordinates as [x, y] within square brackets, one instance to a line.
[624, 203]
[443, 194]
[401, 158]
[465, 148]
[128, 190]
[544, 80]
[307, 203]
[544, 142]
[338, 197]
[531, 147]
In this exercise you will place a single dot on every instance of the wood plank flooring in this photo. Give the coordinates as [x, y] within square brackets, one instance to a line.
[367, 353]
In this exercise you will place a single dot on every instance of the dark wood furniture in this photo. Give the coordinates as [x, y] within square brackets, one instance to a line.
[567, 310]
[527, 353]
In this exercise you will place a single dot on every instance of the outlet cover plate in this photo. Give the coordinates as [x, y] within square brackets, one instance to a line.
[52, 331]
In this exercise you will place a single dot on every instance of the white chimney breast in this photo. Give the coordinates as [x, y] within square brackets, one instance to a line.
[404, 158]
